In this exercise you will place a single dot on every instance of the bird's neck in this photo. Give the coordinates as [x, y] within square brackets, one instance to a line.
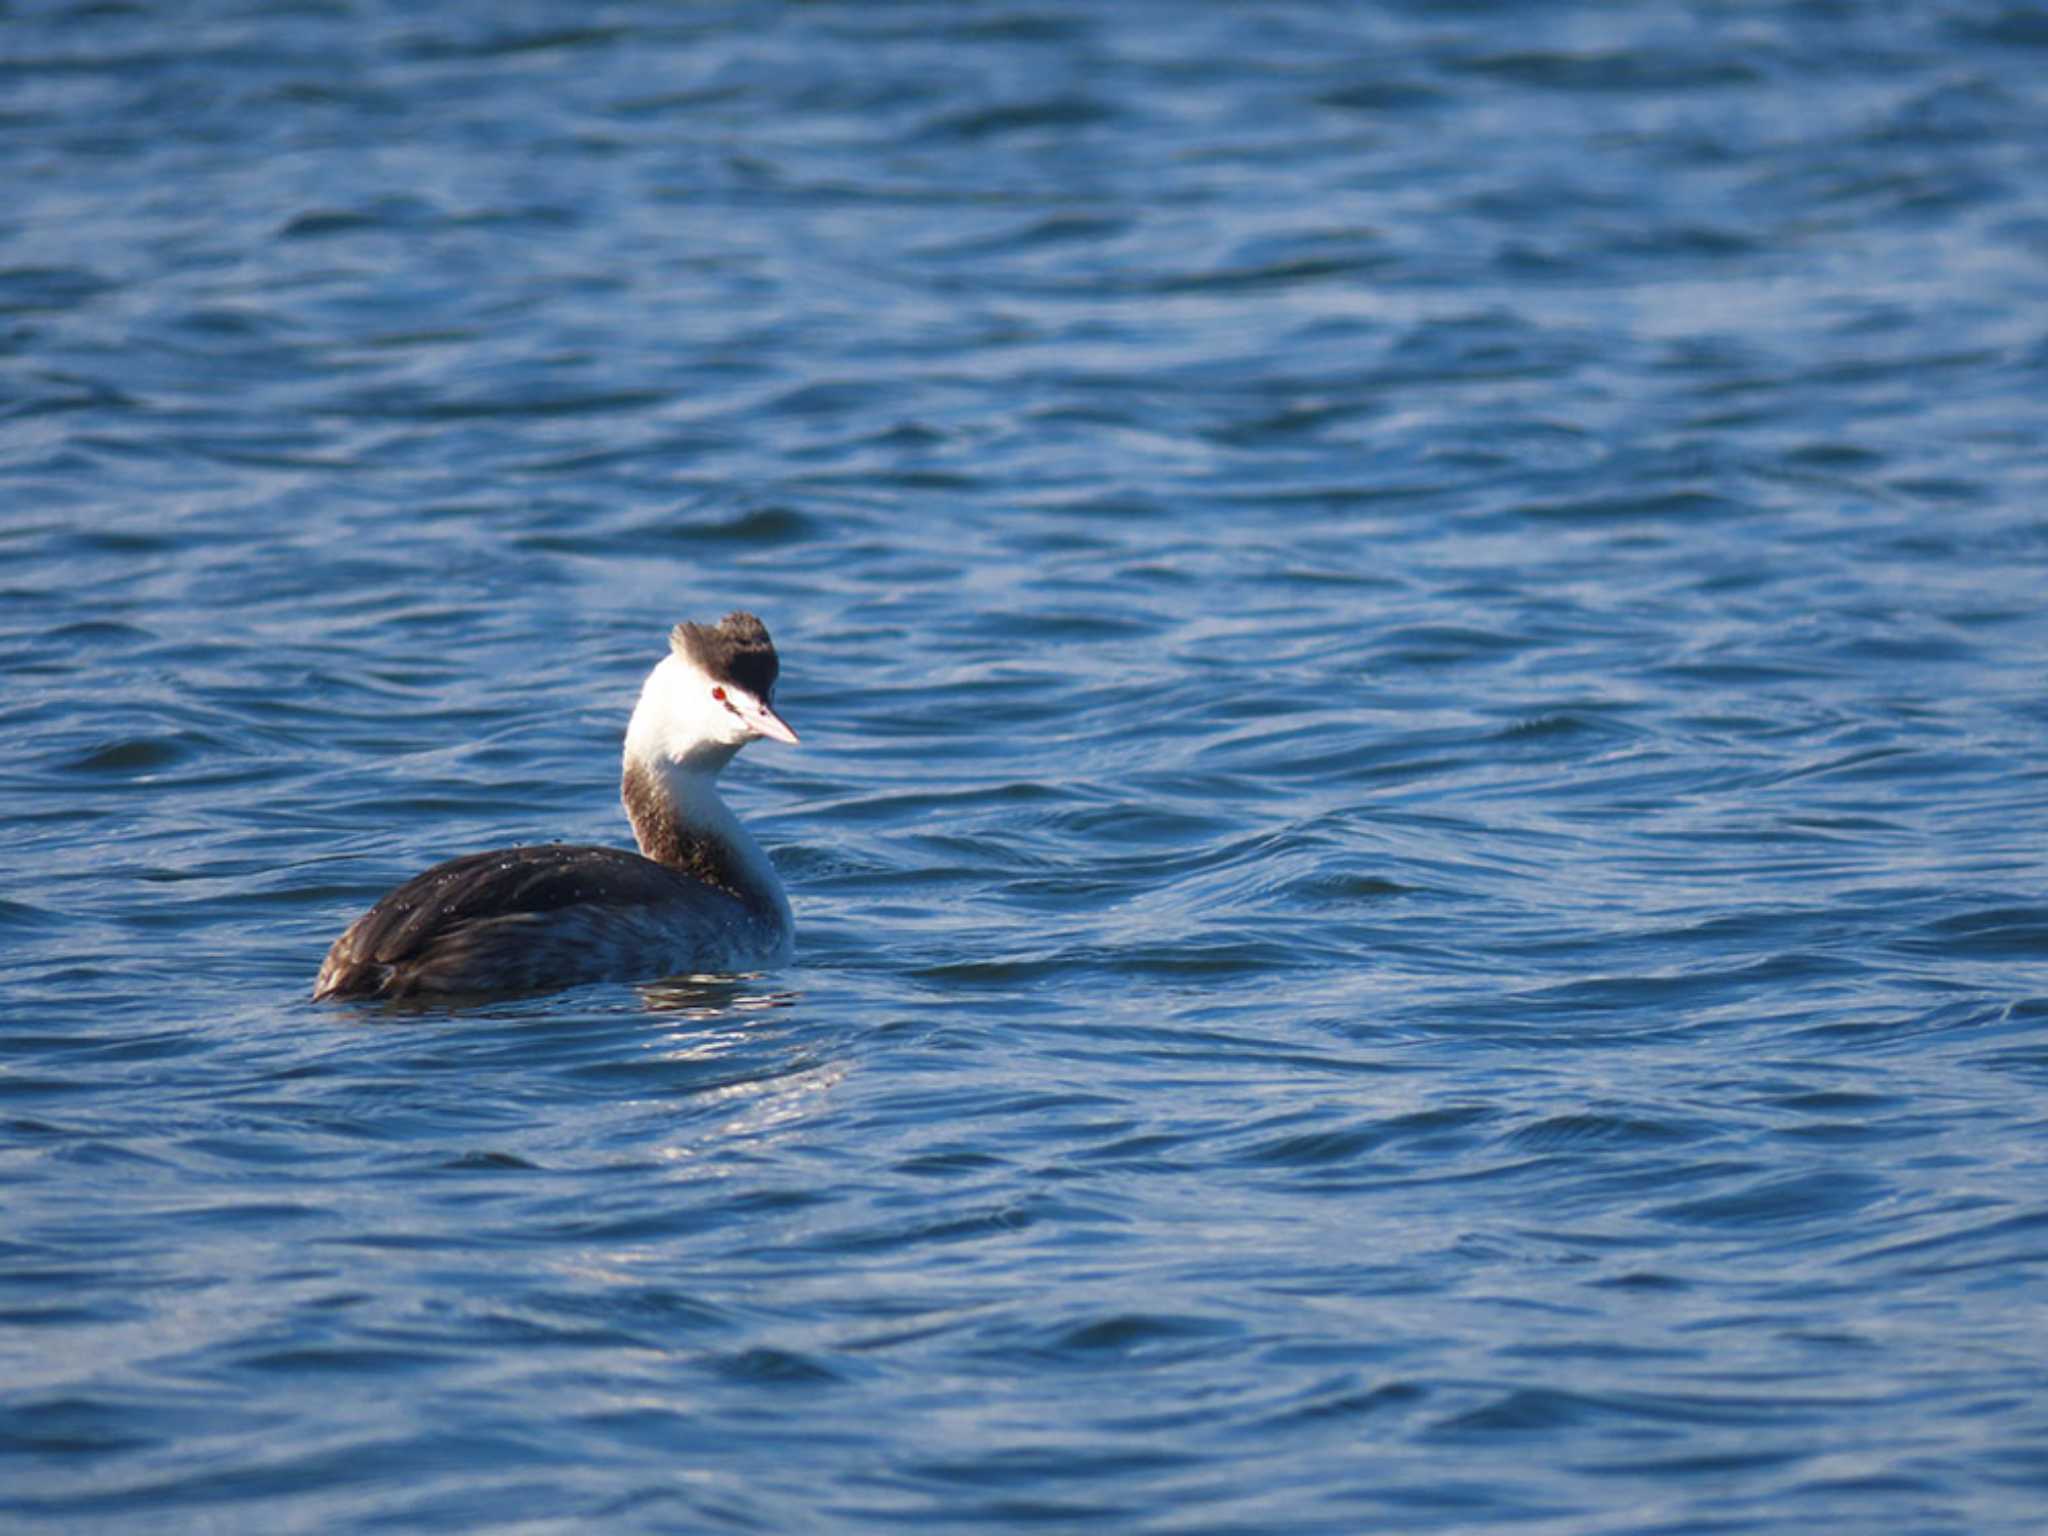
[680, 821]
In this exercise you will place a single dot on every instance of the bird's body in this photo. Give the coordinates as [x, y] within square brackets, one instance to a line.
[699, 896]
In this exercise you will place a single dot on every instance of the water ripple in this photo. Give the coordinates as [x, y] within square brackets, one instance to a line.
[1419, 656]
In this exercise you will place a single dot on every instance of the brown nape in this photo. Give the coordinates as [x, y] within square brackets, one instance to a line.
[664, 838]
[738, 651]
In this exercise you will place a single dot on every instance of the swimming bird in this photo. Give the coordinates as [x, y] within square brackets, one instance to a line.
[699, 896]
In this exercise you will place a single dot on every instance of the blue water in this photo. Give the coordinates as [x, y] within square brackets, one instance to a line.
[1419, 847]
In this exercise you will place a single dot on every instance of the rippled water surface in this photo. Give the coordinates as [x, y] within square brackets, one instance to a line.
[1419, 842]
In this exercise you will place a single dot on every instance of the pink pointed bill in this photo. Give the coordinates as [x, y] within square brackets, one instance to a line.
[765, 721]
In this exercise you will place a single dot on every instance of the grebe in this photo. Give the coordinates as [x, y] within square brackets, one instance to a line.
[699, 896]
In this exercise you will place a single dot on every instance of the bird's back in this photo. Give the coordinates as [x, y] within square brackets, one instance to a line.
[519, 919]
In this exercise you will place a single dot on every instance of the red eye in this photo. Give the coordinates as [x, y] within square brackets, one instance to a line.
[718, 694]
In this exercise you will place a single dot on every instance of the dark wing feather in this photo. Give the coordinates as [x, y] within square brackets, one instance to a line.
[511, 880]
[476, 922]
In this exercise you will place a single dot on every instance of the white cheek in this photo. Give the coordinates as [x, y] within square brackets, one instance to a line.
[682, 717]
[695, 716]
